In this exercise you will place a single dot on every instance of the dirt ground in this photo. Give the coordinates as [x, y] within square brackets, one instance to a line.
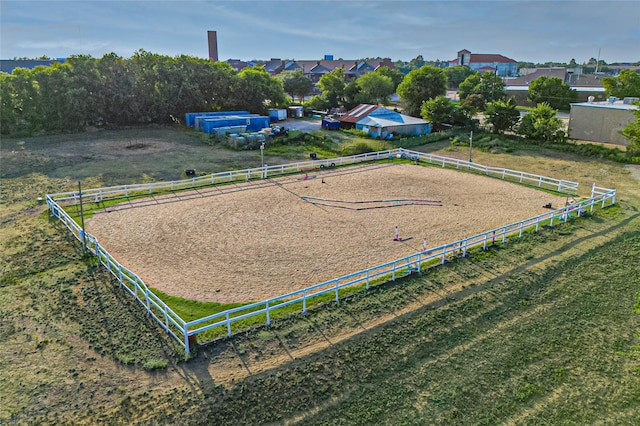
[257, 240]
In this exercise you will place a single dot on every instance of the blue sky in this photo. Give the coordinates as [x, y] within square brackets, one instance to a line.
[536, 31]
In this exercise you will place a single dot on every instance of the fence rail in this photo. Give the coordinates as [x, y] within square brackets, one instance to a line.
[184, 332]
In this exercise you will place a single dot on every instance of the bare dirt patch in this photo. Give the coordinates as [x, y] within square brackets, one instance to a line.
[258, 240]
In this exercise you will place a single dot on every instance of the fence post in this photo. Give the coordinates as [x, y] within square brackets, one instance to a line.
[304, 302]
[367, 281]
[135, 289]
[520, 234]
[444, 255]
[185, 330]
[337, 290]
[166, 318]
[504, 235]
[268, 316]
[464, 250]
[228, 325]
[484, 246]
[146, 296]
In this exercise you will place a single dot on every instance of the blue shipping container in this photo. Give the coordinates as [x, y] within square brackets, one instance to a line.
[210, 123]
[258, 123]
[190, 117]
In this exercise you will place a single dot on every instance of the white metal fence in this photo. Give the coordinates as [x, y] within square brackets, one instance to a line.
[185, 332]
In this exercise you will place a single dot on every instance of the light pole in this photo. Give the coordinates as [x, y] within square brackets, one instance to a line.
[262, 158]
[470, 147]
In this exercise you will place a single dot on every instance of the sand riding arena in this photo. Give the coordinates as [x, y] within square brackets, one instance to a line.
[256, 240]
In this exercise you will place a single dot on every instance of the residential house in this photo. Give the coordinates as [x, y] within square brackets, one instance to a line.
[315, 69]
[501, 65]
[586, 85]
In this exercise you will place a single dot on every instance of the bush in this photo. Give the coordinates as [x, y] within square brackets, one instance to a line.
[357, 133]
[359, 147]
[155, 364]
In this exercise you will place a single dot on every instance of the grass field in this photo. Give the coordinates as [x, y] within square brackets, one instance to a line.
[540, 331]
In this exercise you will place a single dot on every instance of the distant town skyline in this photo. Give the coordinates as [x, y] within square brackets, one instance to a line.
[530, 31]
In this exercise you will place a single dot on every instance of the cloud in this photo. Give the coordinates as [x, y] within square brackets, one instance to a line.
[523, 30]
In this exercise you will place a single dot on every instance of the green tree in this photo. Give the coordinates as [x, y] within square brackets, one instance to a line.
[414, 64]
[632, 133]
[26, 99]
[502, 115]
[542, 124]
[627, 84]
[474, 103]
[394, 74]
[256, 90]
[8, 116]
[295, 83]
[114, 90]
[487, 84]
[419, 86]
[442, 113]
[317, 103]
[553, 91]
[81, 95]
[353, 95]
[375, 87]
[332, 86]
[457, 75]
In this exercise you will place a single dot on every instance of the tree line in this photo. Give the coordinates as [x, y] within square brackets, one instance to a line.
[147, 88]
[111, 91]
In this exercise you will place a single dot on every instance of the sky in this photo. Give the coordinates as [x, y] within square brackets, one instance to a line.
[531, 31]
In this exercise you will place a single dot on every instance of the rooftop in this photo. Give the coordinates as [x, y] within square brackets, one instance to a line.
[622, 105]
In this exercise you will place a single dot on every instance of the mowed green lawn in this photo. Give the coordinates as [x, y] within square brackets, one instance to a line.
[539, 331]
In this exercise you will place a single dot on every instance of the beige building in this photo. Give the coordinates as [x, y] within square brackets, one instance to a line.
[601, 121]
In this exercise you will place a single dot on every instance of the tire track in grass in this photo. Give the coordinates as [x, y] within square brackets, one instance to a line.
[493, 333]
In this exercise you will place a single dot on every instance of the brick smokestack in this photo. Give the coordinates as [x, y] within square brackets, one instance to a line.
[213, 45]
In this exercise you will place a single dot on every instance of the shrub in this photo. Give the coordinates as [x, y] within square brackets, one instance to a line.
[357, 132]
[155, 364]
[356, 148]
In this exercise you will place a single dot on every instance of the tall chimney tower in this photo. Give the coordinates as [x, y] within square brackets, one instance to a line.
[213, 45]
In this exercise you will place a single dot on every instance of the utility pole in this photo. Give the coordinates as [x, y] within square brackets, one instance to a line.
[598, 61]
[470, 146]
